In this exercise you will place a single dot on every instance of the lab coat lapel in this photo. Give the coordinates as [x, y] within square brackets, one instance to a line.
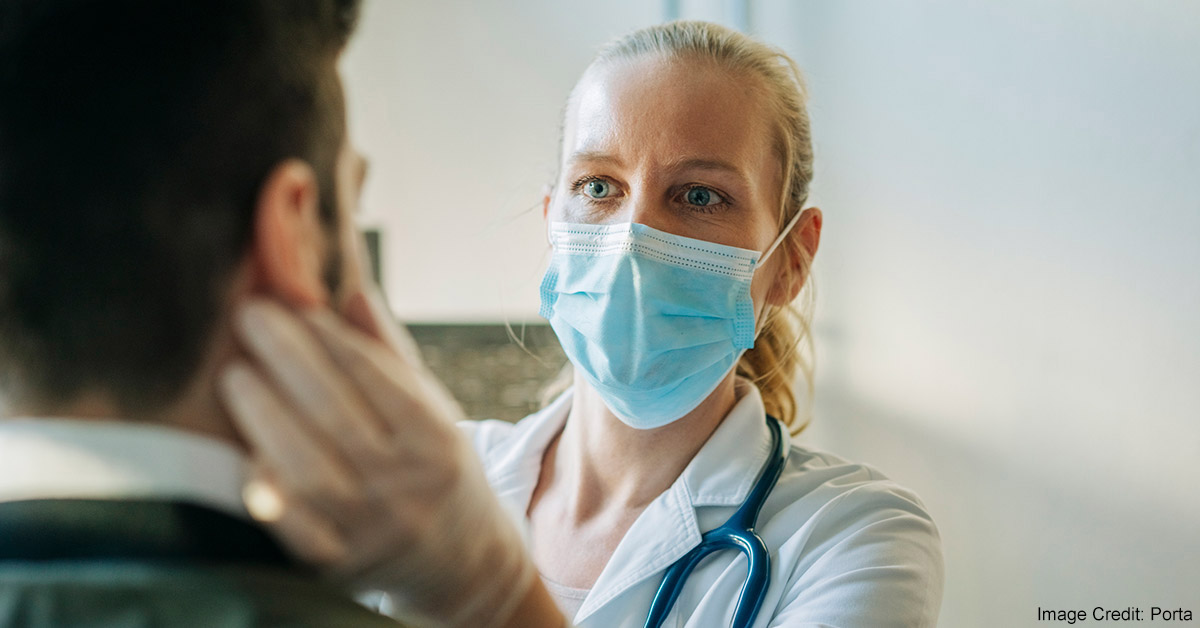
[721, 474]
[662, 534]
[513, 470]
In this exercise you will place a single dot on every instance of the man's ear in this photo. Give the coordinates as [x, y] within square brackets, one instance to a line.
[289, 242]
[802, 241]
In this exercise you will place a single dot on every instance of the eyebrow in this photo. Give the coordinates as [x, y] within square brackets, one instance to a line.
[699, 163]
[691, 163]
[593, 156]
[711, 165]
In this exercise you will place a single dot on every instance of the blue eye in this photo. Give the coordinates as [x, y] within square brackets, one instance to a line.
[597, 188]
[702, 197]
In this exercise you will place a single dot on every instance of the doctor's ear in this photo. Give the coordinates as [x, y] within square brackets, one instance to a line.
[289, 242]
[800, 248]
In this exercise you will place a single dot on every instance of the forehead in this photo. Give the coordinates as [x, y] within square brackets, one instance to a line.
[664, 109]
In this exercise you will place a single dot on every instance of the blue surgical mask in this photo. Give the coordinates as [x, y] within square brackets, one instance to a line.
[653, 321]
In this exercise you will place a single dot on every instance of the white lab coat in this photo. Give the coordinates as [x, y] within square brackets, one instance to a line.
[849, 548]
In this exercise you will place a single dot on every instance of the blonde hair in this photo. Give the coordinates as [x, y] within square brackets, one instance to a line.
[777, 359]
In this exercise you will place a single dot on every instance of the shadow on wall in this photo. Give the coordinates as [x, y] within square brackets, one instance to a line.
[1009, 533]
[489, 373]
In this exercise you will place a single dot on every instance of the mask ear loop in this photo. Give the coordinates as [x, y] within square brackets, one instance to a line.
[779, 240]
[774, 245]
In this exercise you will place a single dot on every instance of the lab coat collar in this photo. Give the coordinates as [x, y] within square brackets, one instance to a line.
[725, 468]
[721, 474]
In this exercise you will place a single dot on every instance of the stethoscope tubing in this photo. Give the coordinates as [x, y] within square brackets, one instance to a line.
[736, 533]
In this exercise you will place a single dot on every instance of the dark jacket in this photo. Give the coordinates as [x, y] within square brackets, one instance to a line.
[144, 564]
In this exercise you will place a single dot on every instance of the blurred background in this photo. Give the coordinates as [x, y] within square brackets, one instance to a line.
[1008, 286]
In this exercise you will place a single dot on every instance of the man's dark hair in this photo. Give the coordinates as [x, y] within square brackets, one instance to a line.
[135, 136]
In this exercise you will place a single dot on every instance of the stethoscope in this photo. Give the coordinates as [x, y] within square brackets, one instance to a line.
[736, 533]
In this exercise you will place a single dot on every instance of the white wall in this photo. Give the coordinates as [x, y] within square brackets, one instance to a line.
[456, 103]
[1008, 286]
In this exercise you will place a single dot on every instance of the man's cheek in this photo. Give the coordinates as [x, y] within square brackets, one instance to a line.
[356, 310]
[352, 267]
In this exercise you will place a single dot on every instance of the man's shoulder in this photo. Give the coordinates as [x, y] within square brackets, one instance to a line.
[140, 562]
[137, 593]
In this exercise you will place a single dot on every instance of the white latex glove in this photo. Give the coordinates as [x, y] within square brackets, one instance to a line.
[361, 469]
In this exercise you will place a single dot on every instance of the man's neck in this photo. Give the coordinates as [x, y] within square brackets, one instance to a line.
[198, 410]
[211, 422]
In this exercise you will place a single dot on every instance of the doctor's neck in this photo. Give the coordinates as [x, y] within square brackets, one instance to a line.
[608, 464]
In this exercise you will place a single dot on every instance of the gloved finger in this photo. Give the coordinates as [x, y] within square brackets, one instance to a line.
[306, 533]
[307, 376]
[401, 391]
[372, 551]
[299, 459]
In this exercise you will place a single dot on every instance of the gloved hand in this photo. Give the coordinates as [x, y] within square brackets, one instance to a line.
[360, 467]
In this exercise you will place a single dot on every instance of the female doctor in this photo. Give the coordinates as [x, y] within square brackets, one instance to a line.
[679, 240]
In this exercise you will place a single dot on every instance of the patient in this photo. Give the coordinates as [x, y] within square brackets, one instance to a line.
[160, 162]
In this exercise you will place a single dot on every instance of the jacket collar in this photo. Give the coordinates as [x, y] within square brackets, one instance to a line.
[721, 474]
[63, 458]
[133, 529]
